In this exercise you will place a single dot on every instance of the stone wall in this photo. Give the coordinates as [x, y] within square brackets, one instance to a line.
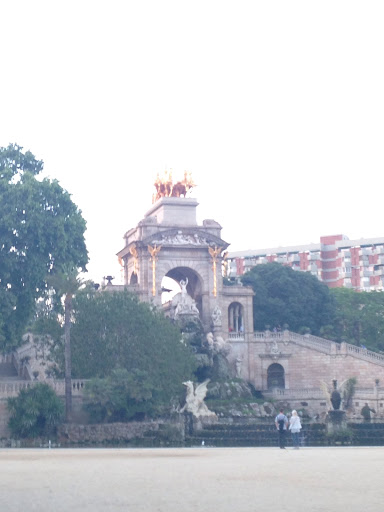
[143, 432]
[307, 360]
[78, 414]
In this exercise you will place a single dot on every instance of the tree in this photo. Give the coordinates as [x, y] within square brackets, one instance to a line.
[34, 412]
[66, 284]
[284, 296]
[114, 331]
[41, 230]
[123, 396]
[358, 318]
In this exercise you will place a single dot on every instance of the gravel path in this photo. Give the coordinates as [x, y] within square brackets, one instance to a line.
[192, 479]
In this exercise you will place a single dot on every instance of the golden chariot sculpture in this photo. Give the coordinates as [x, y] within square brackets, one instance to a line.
[166, 188]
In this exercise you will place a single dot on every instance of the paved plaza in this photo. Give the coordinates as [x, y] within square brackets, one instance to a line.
[192, 479]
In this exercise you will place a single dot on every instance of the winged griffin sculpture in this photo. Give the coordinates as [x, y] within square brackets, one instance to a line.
[194, 401]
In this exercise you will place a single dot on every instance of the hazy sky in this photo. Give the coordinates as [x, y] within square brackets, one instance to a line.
[276, 107]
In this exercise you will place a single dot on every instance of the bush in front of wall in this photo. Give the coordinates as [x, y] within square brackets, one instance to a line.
[35, 412]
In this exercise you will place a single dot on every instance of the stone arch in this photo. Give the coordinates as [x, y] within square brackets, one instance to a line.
[276, 376]
[235, 317]
[194, 286]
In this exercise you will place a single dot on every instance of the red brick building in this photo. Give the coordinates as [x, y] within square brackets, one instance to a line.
[336, 260]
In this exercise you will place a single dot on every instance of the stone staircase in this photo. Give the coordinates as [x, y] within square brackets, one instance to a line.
[241, 434]
[8, 371]
[367, 434]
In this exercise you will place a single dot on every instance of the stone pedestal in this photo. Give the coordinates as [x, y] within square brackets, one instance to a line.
[335, 421]
[202, 421]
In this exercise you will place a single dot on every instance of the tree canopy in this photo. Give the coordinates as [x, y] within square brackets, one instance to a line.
[41, 230]
[113, 331]
[358, 318]
[284, 296]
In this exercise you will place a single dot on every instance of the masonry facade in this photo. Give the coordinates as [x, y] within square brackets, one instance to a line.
[336, 260]
[169, 243]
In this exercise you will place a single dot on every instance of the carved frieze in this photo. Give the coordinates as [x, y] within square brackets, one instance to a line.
[181, 238]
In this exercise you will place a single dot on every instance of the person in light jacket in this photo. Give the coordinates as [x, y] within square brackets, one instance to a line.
[295, 427]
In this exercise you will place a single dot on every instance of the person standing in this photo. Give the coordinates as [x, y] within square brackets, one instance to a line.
[366, 412]
[295, 427]
[281, 422]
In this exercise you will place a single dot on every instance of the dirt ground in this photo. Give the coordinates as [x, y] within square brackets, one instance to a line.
[192, 479]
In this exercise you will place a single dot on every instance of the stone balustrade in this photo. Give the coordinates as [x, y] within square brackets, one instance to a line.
[12, 388]
[236, 336]
[363, 353]
[301, 393]
[321, 344]
[318, 393]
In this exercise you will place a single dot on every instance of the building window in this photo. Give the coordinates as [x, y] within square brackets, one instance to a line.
[235, 317]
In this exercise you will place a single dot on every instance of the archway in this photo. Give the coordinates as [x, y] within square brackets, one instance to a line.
[235, 317]
[170, 285]
[276, 377]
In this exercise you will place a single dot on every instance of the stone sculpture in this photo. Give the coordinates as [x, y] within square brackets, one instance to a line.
[238, 365]
[216, 316]
[165, 187]
[210, 340]
[183, 303]
[194, 400]
[335, 396]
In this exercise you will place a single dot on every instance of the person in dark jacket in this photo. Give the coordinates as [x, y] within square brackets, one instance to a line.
[281, 422]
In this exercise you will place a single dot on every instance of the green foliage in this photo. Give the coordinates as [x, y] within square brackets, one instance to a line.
[349, 391]
[122, 396]
[41, 230]
[284, 296]
[114, 331]
[35, 412]
[358, 318]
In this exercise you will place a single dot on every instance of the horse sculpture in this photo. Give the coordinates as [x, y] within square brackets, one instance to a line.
[166, 188]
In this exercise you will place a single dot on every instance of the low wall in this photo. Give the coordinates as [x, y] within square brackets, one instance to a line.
[144, 433]
[78, 413]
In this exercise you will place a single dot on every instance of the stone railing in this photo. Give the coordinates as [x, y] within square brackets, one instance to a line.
[306, 340]
[320, 344]
[299, 393]
[318, 393]
[236, 336]
[12, 388]
[315, 342]
[363, 353]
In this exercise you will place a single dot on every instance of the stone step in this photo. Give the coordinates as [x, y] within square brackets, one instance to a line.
[7, 370]
[365, 434]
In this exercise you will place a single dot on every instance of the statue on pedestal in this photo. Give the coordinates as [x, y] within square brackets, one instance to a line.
[194, 401]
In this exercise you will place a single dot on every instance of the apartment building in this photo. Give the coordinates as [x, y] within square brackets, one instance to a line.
[336, 260]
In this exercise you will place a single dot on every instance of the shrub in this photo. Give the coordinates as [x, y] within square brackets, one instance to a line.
[123, 396]
[35, 412]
